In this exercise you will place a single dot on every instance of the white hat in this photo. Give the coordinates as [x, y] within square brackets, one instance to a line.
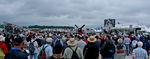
[40, 37]
[120, 40]
[2, 38]
[49, 40]
[115, 35]
[140, 44]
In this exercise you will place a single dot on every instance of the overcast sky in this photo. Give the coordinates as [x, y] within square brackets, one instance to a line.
[71, 12]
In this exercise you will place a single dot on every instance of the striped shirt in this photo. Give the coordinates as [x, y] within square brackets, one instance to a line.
[81, 44]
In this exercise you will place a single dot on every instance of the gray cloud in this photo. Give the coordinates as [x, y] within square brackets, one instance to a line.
[70, 12]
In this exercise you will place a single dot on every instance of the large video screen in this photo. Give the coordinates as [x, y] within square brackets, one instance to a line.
[109, 23]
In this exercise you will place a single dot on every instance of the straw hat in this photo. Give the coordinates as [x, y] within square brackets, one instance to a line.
[72, 42]
[91, 39]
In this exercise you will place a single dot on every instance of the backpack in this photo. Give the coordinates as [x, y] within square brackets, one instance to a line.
[42, 54]
[74, 55]
[110, 48]
[58, 47]
[31, 47]
[40, 43]
[119, 47]
[58, 43]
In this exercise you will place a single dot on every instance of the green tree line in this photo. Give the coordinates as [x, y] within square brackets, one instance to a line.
[1, 26]
[50, 27]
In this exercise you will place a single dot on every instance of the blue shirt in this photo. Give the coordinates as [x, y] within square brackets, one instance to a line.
[16, 49]
[127, 41]
[48, 50]
[141, 38]
[139, 53]
[97, 44]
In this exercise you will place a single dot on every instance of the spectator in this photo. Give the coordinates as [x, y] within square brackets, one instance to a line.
[91, 50]
[120, 50]
[39, 41]
[108, 48]
[68, 53]
[48, 47]
[127, 44]
[8, 42]
[54, 56]
[134, 43]
[3, 48]
[81, 44]
[139, 53]
[115, 38]
[16, 52]
[146, 44]
[58, 45]
[35, 48]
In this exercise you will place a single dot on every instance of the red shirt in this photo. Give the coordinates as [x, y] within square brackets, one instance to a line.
[86, 41]
[3, 47]
[99, 40]
[130, 38]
